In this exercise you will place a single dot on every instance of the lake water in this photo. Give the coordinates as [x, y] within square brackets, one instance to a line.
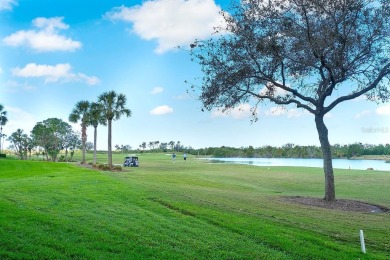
[337, 163]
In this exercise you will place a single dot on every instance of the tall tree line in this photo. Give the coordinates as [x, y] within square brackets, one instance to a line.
[55, 135]
[52, 135]
[295, 151]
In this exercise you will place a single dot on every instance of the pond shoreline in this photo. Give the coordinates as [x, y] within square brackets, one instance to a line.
[364, 157]
[357, 164]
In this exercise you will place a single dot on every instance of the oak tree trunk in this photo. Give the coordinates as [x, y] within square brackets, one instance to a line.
[330, 193]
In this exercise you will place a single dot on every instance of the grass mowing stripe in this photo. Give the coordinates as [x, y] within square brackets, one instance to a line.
[183, 210]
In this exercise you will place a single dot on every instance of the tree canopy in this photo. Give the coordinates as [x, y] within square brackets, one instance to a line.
[51, 134]
[311, 54]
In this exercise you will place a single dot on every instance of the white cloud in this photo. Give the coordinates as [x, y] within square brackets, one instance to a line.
[89, 80]
[240, 112]
[7, 4]
[281, 111]
[363, 113]
[45, 38]
[383, 110]
[277, 91]
[161, 110]
[59, 72]
[157, 90]
[1, 70]
[170, 22]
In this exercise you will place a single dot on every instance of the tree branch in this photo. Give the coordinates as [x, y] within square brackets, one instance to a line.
[385, 71]
[283, 102]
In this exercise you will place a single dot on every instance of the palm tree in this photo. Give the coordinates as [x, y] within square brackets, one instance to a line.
[3, 121]
[113, 105]
[172, 144]
[96, 117]
[81, 113]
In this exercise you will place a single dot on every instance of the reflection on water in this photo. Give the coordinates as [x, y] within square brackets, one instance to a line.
[337, 163]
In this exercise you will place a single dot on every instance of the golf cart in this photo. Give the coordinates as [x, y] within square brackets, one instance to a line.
[131, 161]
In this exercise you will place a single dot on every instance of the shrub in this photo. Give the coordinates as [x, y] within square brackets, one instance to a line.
[117, 168]
[104, 167]
[62, 158]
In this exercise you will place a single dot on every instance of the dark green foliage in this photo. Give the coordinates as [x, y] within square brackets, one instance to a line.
[51, 134]
[294, 151]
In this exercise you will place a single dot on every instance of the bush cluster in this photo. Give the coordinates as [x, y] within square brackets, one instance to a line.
[106, 167]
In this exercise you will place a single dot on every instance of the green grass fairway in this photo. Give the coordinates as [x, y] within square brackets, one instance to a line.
[185, 210]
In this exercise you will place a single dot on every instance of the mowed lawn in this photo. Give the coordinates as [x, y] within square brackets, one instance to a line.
[185, 210]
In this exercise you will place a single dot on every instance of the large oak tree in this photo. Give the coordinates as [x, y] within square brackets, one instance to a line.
[312, 54]
[51, 134]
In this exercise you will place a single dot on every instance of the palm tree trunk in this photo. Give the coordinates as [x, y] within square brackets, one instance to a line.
[94, 144]
[83, 140]
[109, 143]
[330, 193]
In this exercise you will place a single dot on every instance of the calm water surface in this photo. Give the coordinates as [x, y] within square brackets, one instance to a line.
[337, 163]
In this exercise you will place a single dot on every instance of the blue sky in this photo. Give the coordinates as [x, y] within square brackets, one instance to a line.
[56, 53]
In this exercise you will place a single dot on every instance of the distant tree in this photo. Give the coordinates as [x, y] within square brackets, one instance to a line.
[3, 121]
[71, 142]
[250, 152]
[387, 149]
[172, 144]
[123, 148]
[81, 113]
[143, 146]
[96, 118]
[88, 146]
[151, 144]
[312, 54]
[355, 150]
[30, 145]
[50, 134]
[178, 146]
[20, 142]
[113, 107]
[378, 150]
[126, 148]
[163, 146]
